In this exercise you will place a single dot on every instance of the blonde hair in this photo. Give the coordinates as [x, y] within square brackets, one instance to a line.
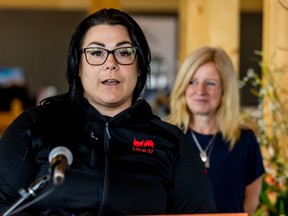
[228, 114]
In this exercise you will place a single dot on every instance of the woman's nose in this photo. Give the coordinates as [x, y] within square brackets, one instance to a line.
[111, 61]
[200, 88]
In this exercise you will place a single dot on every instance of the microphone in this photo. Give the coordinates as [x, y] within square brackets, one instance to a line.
[60, 159]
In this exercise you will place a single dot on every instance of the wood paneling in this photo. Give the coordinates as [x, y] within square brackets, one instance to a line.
[46, 4]
[135, 6]
[211, 23]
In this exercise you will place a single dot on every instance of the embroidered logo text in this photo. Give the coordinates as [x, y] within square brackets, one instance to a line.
[146, 146]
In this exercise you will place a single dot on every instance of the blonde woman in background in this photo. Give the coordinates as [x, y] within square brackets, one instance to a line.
[205, 104]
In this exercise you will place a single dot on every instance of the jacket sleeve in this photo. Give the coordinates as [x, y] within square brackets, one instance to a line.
[192, 192]
[17, 164]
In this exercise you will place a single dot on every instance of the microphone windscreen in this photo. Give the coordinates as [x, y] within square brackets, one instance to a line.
[61, 150]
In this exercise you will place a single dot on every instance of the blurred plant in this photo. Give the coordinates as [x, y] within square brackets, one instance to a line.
[271, 120]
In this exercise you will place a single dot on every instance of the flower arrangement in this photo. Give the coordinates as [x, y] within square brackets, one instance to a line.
[271, 120]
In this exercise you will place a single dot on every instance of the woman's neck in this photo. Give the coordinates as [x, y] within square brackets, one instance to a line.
[204, 125]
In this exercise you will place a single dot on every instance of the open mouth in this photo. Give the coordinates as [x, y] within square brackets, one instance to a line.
[110, 82]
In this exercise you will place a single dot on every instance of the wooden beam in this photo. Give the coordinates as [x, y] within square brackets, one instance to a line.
[46, 4]
[99, 4]
[211, 23]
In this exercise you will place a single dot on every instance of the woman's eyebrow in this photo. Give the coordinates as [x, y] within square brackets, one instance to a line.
[96, 43]
[103, 45]
[123, 42]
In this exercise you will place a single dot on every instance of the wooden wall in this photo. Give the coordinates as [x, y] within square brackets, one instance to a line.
[150, 6]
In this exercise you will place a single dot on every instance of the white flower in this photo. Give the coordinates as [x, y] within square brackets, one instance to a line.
[251, 73]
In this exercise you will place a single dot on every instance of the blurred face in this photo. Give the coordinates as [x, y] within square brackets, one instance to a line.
[108, 86]
[204, 93]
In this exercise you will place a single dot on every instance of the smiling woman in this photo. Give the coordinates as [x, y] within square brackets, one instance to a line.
[127, 161]
[204, 103]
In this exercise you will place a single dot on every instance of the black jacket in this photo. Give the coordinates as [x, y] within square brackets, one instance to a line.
[133, 163]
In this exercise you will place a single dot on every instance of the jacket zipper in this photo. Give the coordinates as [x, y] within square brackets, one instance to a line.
[94, 140]
[107, 137]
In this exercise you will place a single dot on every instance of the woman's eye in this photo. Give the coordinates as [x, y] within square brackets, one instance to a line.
[210, 83]
[124, 53]
[192, 82]
[96, 53]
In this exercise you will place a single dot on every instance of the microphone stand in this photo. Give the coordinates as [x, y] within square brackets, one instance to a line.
[35, 187]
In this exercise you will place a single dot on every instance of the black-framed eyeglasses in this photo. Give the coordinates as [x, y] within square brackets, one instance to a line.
[97, 56]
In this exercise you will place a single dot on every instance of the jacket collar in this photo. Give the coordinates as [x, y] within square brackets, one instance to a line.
[139, 110]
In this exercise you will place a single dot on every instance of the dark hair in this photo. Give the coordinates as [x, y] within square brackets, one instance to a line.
[111, 17]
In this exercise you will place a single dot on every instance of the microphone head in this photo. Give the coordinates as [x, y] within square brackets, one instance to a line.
[61, 150]
[60, 159]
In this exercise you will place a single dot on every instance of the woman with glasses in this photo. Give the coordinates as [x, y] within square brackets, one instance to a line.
[205, 105]
[98, 149]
